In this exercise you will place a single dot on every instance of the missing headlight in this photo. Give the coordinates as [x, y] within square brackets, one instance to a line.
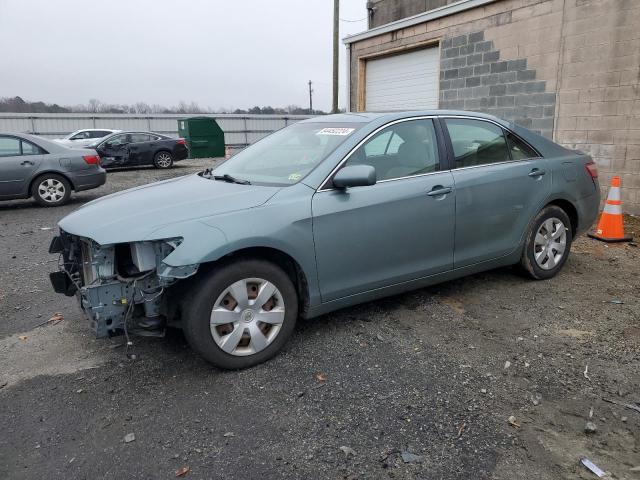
[143, 256]
[136, 258]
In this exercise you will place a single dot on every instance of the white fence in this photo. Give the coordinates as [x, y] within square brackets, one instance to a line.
[239, 130]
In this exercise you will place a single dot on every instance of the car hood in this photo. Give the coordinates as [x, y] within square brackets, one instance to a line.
[133, 215]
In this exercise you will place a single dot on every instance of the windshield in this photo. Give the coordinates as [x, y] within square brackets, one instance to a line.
[71, 135]
[286, 156]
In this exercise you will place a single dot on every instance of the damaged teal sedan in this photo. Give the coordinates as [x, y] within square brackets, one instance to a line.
[324, 214]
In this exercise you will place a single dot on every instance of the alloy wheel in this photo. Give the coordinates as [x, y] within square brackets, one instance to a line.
[550, 243]
[247, 316]
[51, 190]
[163, 160]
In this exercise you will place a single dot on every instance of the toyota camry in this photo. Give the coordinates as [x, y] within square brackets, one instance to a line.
[326, 213]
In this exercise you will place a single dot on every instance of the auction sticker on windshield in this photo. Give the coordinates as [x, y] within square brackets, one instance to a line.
[335, 131]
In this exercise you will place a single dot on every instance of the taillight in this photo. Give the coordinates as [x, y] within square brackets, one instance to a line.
[182, 141]
[92, 159]
[592, 168]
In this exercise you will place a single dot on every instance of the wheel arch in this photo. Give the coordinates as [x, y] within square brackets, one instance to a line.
[280, 258]
[571, 211]
[162, 149]
[55, 172]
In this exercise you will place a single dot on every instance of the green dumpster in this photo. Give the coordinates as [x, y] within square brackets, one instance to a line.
[204, 137]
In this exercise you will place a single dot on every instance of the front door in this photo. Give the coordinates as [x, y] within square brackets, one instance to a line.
[114, 152]
[19, 159]
[399, 229]
[500, 182]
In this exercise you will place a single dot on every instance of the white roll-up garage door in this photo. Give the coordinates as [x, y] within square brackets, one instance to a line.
[407, 81]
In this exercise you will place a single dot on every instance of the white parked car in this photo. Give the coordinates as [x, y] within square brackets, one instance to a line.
[82, 138]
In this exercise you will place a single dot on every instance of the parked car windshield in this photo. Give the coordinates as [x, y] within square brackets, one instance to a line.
[286, 156]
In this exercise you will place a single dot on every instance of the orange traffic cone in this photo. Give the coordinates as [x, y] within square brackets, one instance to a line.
[610, 227]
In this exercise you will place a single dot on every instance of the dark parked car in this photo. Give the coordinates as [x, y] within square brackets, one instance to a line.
[31, 166]
[133, 149]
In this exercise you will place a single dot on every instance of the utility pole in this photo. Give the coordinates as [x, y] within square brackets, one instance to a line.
[310, 99]
[336, 53]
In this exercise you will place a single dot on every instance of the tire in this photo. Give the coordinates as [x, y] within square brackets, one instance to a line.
[247, 341]
[541, 255]
[51, 190]
[163, 159]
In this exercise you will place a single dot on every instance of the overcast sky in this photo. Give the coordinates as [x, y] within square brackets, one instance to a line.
[218, 53]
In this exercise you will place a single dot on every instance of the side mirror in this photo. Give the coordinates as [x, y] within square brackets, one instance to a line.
[355, 176]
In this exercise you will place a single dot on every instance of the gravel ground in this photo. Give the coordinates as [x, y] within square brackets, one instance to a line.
[419, 385]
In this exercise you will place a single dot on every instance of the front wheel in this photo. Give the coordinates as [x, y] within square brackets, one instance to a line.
[163, 160]
[241, 314]
[547, 244]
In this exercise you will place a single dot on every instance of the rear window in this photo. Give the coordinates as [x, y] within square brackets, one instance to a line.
[519, 150]
[99, 133]
[31, 149]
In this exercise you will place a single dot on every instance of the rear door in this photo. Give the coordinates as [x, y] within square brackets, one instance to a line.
[140, 149]
[501, 183]
[19, 160]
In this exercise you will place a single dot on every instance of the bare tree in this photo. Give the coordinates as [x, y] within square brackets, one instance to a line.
[142, 107]
[94, 105]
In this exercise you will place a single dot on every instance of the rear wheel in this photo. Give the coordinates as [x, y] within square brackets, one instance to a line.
[241, 314]
[163, 159]
[51, 190]
[547, 244]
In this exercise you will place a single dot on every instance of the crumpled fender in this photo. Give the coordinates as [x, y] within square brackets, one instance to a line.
[198, 240]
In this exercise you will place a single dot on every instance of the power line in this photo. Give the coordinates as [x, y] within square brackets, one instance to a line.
[353, 21]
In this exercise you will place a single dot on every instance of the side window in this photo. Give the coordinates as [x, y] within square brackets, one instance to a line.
[400, 150]
[81, 136]
[9, 147]
[519, 149]
[476, 142]
[30, 149]
[139, 137]
[394, 144]
[98, 134]
[378, 144]
[117, 140]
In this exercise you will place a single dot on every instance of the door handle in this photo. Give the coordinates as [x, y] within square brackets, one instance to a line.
[438, 191]
[536, 172]
[27, 162]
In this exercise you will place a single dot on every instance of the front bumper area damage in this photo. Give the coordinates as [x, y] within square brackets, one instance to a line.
[120, 288]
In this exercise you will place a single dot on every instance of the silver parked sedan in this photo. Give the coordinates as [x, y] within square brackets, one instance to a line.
[326, 213]
[31, 166]
[83, 138]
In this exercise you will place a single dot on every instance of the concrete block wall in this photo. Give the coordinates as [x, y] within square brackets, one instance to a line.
[473, 76]
[569, 69]
[599, 89]
[387, 11]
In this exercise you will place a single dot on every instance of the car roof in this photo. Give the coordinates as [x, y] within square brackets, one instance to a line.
[367, 117]
[48, 145]
[139, 131]
[96, 130]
